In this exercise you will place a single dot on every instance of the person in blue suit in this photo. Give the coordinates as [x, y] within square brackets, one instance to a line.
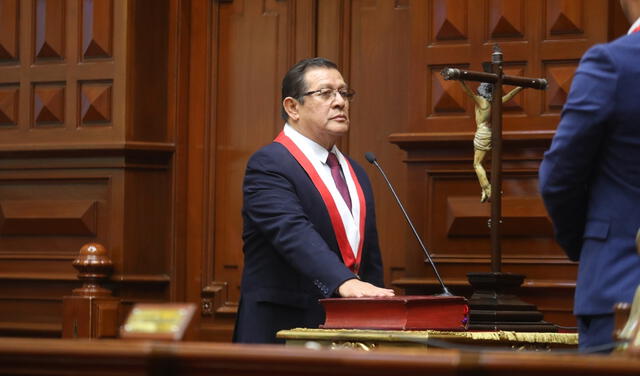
[590, 181]
[309, 218]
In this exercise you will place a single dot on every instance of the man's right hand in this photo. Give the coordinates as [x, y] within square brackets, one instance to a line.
[355, 288]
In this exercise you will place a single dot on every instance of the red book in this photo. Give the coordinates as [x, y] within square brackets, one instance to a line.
[397, 313]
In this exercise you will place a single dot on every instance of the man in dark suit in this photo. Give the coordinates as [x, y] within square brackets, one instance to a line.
[309, 217]
[590, 181]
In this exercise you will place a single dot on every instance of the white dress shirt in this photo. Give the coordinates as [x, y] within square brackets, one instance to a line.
[634, 26]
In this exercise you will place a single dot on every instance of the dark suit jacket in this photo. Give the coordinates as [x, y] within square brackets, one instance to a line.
[590, 177]
[291, 255]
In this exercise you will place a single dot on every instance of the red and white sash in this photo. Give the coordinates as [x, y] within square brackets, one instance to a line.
[350, 259]
[635, 27]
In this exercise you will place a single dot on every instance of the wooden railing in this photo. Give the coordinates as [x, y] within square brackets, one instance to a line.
[119, 357]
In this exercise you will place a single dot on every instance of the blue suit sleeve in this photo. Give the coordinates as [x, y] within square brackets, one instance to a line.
[568, 165]
[273, 205]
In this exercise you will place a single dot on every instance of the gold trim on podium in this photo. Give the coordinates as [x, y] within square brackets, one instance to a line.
[374, 339]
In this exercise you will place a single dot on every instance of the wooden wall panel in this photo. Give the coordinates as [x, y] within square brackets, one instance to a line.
[48, 105]
[398, 91]
[442, 35]
[538, 39]
[248, 97]
[96, 103]
[48, 74]
[9, 104]
[243, 98]
[148, 71]
[73, 208]
[9, 30]
[48, 212]
[84, 63]
[277, 34]
[85, 153]
[50, 26]
[379, 53]
[138, 116]
[42, 217]
[97, 29]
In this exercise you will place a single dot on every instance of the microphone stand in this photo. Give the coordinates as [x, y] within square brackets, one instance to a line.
[372, 159]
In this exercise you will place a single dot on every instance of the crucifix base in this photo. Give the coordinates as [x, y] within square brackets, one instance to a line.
[494, 306]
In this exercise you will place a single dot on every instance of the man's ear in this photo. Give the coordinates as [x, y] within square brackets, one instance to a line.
[291, 107]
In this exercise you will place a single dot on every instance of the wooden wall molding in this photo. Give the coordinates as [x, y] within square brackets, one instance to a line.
[524, 216]
[41, 217]
[139, 155]
[456, 142]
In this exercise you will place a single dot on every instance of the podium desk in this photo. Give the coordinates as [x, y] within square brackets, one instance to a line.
[376, 339]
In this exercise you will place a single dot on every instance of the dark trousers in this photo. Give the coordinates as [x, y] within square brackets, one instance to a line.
[594, 332]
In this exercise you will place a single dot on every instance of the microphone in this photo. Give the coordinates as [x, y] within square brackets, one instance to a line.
[372, 159]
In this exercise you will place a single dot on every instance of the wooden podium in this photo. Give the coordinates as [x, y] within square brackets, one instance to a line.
[413, 321]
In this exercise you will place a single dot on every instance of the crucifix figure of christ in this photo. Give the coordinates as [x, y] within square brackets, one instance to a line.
[490, 136]
[482, 137]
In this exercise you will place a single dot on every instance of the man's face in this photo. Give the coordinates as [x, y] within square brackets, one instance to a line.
[324, 119]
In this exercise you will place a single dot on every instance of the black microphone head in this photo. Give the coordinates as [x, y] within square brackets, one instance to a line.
[370, 157]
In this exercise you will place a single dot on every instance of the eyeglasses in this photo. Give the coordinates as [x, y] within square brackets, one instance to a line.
[328, 94]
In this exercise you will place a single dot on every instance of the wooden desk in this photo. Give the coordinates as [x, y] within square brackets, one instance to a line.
[375, 339]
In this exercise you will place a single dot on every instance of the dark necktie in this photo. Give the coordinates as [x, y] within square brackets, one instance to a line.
[341, 184]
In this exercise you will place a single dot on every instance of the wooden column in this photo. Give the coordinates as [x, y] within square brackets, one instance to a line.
[91, 312]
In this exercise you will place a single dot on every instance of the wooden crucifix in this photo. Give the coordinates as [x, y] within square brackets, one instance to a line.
[492, 130]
